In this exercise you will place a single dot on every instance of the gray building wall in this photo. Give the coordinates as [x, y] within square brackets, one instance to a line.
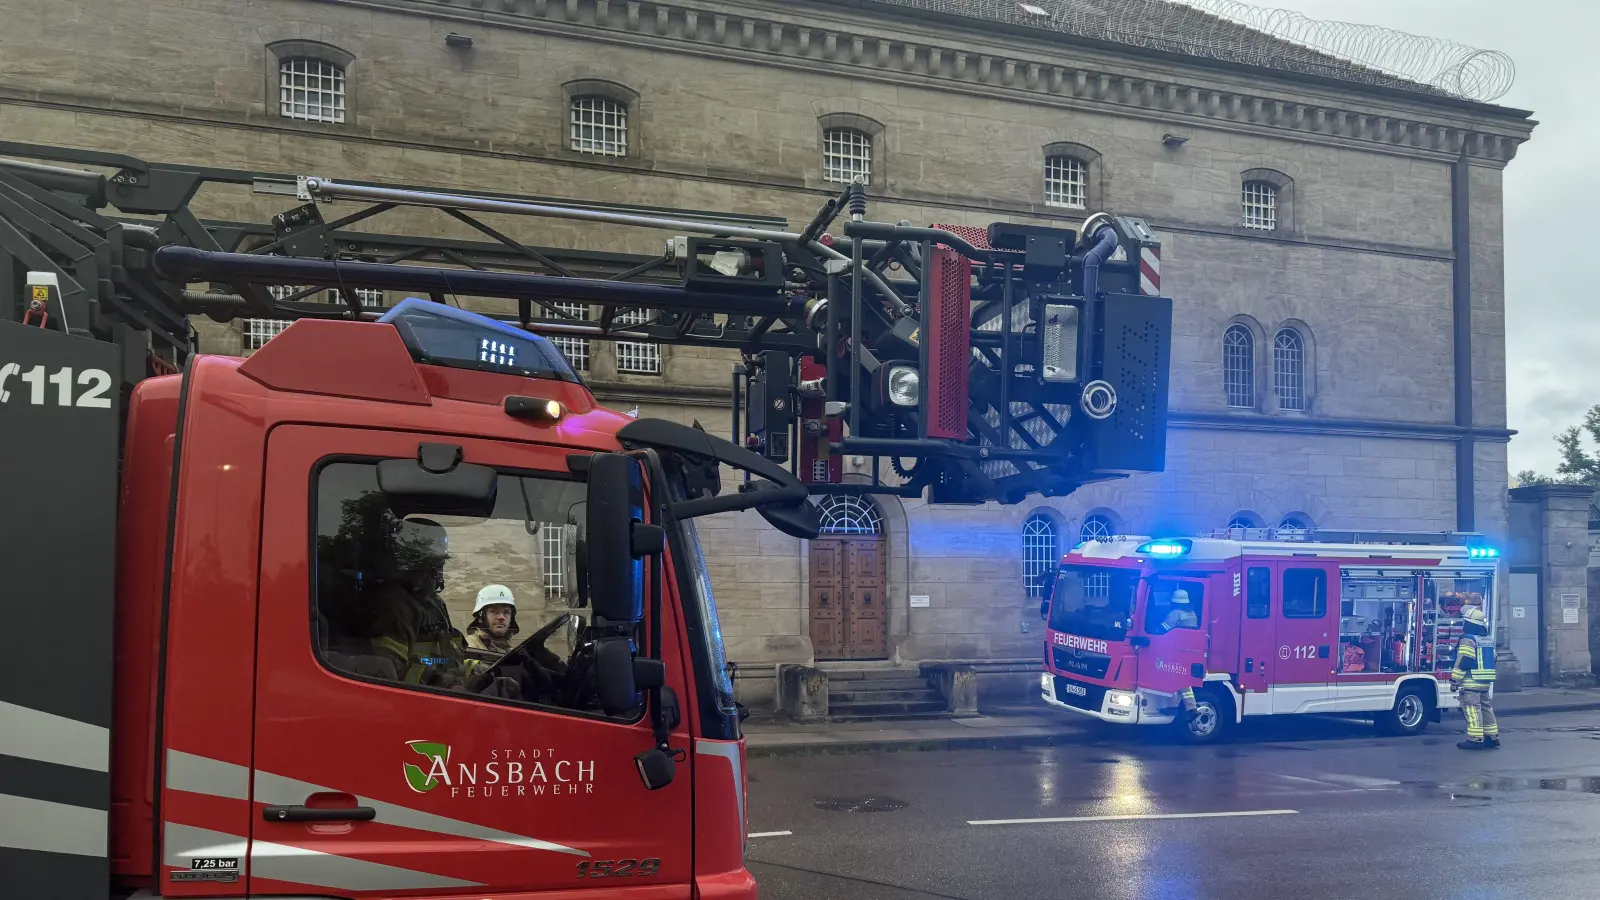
[726, 100]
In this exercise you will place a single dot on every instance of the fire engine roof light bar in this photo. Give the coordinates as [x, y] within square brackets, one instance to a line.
[1482, 553]
[1166, 549]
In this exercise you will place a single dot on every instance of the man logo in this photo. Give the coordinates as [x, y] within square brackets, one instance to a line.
[438, 756]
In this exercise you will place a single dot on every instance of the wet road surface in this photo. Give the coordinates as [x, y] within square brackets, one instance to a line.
[1296, 809]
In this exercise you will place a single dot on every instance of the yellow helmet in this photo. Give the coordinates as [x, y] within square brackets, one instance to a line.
[1474, 615]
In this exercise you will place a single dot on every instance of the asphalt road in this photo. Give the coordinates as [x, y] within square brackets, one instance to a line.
[1291, 810]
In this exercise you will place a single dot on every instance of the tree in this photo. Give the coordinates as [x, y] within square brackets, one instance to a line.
[1578, 464]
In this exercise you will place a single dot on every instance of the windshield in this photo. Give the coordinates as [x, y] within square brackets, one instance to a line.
[1093, 602]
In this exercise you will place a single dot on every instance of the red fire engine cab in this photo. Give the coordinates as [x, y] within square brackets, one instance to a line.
[1346, 623]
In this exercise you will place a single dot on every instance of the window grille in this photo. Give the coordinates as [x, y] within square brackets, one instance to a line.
[553, 547]
[1096, 528]
[1289, 369]
[637, 358]
[575, 349]
[258, 331]
[1066, 182]
[1260, 206]
[1241, 522]
[311, 90]
[846, 155]
[1294, 526]
[847, 514]
[1239, 366]
[1040, 553]
[600, 126]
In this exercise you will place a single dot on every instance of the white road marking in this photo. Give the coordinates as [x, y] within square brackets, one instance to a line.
[1205, 815]
[756, 834]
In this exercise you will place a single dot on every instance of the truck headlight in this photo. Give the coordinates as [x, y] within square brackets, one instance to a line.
[1120, 698]
[904, 386]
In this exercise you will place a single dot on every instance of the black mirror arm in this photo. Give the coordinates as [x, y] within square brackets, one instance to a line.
[742, 500]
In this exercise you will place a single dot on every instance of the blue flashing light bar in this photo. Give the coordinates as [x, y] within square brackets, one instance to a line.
[442, 335]
[1482, 553]
[1166, 549]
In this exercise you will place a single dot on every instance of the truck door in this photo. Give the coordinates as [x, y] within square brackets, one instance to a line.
[1305, 627]
[1175, 618]
[1257, 646]
[380, 766]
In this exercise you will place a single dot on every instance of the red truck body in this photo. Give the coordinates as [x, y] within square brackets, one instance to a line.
[223, 707]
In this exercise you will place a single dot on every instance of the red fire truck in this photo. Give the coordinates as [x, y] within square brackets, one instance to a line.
[1343, 623]
[233, 669]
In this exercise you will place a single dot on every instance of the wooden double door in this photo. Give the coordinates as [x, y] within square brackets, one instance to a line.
[848, 585]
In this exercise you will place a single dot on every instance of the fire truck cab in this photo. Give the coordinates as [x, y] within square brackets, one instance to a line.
[1350, 623]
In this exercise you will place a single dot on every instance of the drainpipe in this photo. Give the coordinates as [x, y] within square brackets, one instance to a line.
[1461, 309]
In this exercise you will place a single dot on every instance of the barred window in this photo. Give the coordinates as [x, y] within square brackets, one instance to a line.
[849, 514]
[1066, 182]
[1243, 521]
[1294, 525]
[637, 358]
[311, 89]
[1239, 366]
[1040, 553]
[575, 349]
[553, 548]
[258, 331]
[1096, 528]
[846, 155]
[600, 126]
[1289, 369]
[1260, 205]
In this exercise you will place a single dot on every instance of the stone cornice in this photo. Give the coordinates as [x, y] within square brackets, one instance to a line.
[776, 35]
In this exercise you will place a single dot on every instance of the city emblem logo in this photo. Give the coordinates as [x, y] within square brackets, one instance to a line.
[496, 772]
[438, 756]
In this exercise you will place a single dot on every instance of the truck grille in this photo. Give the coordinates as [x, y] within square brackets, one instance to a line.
[1081, 662]
[1091, 697]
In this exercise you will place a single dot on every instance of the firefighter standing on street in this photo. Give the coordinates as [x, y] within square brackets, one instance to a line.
[1473, 677]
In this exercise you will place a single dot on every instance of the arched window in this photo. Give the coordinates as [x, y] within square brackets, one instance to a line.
[1096, 527]
[1261, 205]
[850, 514]
[1295, 525]
[1040, 552]
[1066, 182]
[599, 125]
[1239, 366]
[1244, 521]
[1289, 369]
[846, 155]
[311, 89]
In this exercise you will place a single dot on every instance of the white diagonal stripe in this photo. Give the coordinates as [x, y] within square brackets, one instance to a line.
[47, 737]
[1151, 816]
[204, 775]
[39, 825]
[730, 752]
[282, 862]
[276, 790]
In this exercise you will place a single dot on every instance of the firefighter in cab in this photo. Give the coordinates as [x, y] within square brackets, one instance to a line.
[1473, 677]
[494, 620]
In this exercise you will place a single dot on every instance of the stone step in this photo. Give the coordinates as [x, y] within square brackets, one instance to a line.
[888, 709]
[877, 684]
[853, 695]
[867, 674]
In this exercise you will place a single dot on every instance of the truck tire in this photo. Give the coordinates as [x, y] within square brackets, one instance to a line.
[1412, 709]
[1213, 718]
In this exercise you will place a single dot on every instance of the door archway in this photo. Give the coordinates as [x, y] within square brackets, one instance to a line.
[848, 585]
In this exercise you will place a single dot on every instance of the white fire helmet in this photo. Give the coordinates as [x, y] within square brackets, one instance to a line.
[491, 595]
[1180, 597]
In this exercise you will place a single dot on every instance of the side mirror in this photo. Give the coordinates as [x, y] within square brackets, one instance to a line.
[614, 675]
[802, 520]
[438, 482]
[615, 504]
[1044, 608]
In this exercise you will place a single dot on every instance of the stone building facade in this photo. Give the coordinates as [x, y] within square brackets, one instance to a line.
[1307, 224]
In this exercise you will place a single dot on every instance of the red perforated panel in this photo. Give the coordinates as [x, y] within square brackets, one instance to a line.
[948, 322]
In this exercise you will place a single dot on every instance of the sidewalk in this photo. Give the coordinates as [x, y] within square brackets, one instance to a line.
[1033, 727]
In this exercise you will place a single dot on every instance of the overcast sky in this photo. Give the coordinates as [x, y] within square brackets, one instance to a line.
[1552, 319]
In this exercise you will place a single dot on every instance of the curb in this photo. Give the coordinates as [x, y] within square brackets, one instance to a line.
[903, 745]
[1011, 742]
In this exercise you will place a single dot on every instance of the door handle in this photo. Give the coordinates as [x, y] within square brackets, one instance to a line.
[312, 814]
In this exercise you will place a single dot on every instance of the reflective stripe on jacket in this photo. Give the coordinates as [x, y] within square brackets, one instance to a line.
[1474, 670]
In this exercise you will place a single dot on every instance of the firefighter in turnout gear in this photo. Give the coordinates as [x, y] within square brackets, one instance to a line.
[1473, 677]
[494, 620]
[412, 628]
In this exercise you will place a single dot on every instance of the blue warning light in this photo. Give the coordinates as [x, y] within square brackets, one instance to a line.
[1167, 549]
[441, 335]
